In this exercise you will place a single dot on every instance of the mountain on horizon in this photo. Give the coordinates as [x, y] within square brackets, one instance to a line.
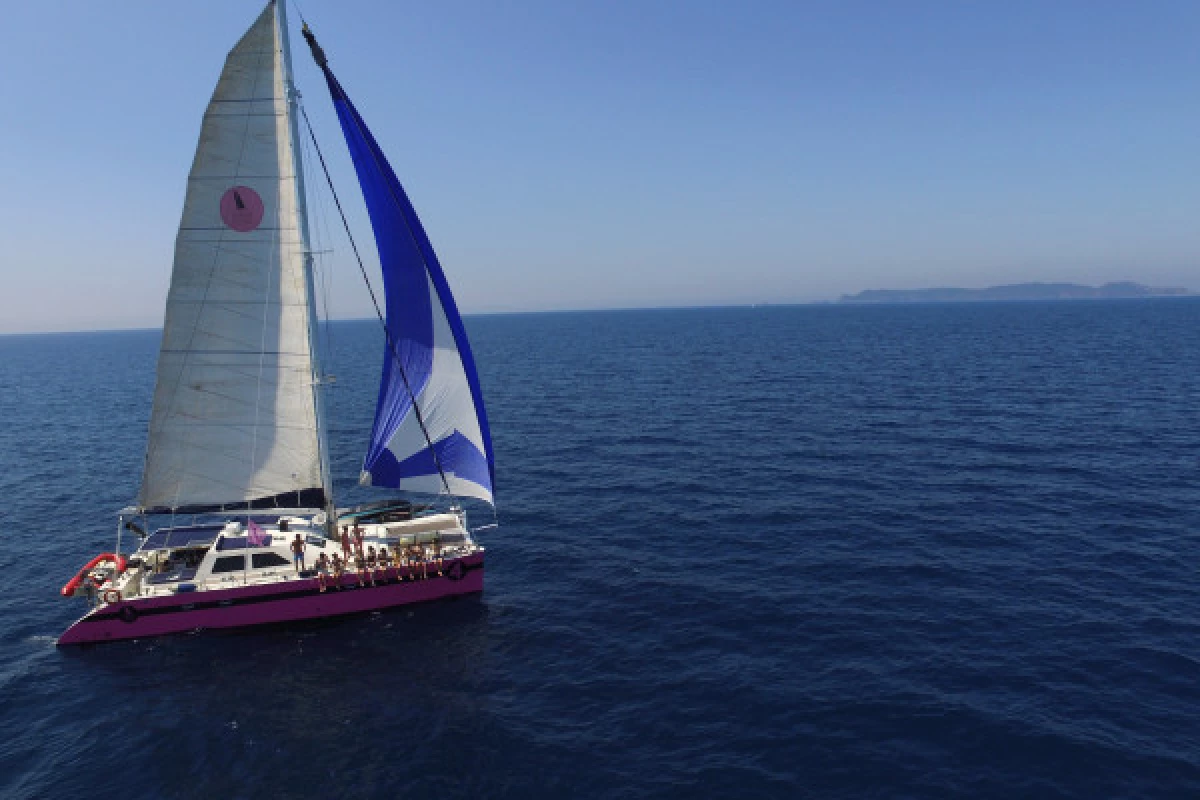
[1014, 293]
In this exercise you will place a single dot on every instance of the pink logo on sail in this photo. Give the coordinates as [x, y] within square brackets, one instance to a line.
[241, 208]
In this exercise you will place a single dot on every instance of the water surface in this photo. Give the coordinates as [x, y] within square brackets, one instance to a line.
[915, 551]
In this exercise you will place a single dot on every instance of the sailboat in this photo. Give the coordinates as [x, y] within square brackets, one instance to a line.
[235, 519]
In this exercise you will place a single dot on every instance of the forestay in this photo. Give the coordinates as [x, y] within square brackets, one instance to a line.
[234, 421]
[442, 443]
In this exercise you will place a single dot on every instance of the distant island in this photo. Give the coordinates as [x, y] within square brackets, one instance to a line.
[1016, 292]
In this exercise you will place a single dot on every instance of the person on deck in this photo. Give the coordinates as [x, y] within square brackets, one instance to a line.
[360, 564]
[437, 554]
[401, 561]
[338, 569]
[381, 563]
[298, 553]
[323, 571]
[346, 541]
[358, 540]
[417, 558]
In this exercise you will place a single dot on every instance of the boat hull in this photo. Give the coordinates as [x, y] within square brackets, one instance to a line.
[272, 603]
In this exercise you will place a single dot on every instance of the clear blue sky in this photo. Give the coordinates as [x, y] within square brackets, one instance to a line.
[623, 154]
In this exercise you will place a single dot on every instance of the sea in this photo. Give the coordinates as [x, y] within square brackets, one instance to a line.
[819, 551]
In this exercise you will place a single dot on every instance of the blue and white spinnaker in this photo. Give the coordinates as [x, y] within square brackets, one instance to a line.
[443, 443]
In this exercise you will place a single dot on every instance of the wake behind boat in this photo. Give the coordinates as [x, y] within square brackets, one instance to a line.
[236, 476]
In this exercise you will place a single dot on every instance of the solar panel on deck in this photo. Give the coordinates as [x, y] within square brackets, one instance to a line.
[190, 536]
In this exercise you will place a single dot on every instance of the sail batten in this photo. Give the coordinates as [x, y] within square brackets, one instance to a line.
[431, 432]
[234, 421]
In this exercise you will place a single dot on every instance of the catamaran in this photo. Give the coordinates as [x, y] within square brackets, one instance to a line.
[235, 516]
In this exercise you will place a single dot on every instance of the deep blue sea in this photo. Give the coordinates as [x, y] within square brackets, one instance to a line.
[826, 551]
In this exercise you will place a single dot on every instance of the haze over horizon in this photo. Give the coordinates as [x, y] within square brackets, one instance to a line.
[625, 155]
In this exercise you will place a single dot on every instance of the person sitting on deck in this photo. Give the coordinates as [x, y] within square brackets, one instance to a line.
[323, 571]
[381, 562]
[360, 563]
[417, 558]
[298, 553]
[338, 568]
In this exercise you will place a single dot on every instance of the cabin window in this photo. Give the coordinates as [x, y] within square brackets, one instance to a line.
[229, 564]
[261, 560]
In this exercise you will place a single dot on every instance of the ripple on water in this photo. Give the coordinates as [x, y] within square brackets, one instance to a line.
[845, 552]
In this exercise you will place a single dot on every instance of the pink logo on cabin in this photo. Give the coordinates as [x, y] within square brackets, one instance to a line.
[241, 209]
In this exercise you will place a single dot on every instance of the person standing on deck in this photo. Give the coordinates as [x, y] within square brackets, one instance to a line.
[346, 541]
[298, 553]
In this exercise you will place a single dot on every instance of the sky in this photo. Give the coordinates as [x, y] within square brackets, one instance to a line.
[630, 153]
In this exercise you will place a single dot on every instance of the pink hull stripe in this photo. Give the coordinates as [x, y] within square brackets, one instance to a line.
[253, 605]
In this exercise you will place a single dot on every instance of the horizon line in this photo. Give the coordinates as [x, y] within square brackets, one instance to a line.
[691, 307]
[491, 313]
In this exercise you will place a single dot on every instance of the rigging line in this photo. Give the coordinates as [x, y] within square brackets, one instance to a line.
[300, 12]
[378, 313]
[308, 261]
[325, 239]
[316, 246]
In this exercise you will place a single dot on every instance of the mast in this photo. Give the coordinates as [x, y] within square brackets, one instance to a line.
[293, 98]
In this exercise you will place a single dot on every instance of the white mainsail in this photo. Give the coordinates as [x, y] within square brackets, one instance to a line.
[235, 414]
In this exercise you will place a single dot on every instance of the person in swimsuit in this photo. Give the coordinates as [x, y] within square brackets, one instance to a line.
[360, 564]
[358, 540]
[346, 541]
[418, 559]
[382, 562]
[323, 571]
[298, 553]
[402, 556]
[338, 568]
